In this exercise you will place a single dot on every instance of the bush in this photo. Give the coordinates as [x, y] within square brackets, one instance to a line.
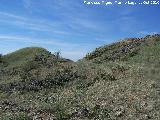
[48, 59]
[100, 113]
[103, 75]
[1, 58]
[61, 113]
[118, 70]
[34, 80]
[62, 75]
[2, 62]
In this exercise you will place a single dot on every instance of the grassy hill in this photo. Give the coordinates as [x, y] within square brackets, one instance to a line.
[115, 82]
[20, 56]
[121, 50]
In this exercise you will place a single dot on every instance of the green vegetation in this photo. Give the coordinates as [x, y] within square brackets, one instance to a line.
[19, 117]
[19, 57]
[1, 58]
[122, 50]
[115, 82]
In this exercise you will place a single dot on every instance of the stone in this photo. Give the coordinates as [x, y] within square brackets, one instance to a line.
[119, 111]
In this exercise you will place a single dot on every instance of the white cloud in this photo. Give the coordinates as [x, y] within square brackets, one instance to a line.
[36, 40]
[32, 24]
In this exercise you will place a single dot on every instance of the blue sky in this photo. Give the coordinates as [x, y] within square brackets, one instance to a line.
[70, 26]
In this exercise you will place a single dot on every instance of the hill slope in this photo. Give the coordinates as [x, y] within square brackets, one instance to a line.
[124, 85]
[121, 50]
[20, 56]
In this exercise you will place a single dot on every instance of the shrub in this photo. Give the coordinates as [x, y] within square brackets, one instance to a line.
[103, 75]
[0, 58]
[100, 113]
[133, 52]
[2, 62]
[30, 65]
[33, 80]
[61, 113]
[48, 59]
[118, 70]
[62, 75]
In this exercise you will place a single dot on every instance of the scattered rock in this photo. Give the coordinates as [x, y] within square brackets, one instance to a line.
[144, 117]
[119, 111]
[81, 113]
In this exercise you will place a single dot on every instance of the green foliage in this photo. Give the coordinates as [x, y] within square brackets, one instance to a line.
[62, 75]
[34, 80]
[61, 113]
[46, 59]
[30, 65]
[17, 117]
[100, 113]
[103, 75]
[1, 58]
